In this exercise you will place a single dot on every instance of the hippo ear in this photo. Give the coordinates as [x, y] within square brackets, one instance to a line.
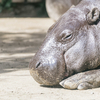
[93, 16]
[51, 28]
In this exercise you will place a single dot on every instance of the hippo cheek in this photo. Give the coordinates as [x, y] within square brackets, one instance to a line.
[48, 72]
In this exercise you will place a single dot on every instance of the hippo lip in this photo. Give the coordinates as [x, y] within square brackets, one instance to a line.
[37, 78]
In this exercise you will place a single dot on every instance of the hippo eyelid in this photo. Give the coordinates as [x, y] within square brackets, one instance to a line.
[66, 34]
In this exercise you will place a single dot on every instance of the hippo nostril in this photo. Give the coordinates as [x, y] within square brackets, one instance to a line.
[38, 64]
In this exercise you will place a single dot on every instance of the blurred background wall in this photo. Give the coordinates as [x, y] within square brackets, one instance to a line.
[22, 8]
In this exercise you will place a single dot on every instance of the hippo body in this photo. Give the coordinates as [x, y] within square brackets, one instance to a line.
[56, 8]
[70, 53]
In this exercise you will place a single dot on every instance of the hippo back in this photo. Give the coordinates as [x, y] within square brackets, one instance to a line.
[56, 8]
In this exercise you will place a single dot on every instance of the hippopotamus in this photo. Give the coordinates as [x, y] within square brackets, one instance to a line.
[70, 53]
[56, 8]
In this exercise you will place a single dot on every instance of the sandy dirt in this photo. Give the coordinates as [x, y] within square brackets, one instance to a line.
[19, 40]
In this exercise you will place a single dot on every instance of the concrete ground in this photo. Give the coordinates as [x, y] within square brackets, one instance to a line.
[20, 38]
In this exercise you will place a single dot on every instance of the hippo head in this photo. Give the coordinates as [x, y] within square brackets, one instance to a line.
[69, 47]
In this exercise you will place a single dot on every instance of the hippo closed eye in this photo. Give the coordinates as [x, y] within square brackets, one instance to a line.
[72, 45]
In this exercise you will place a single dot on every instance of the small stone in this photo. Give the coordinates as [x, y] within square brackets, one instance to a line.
[41, 93]
[92, 92]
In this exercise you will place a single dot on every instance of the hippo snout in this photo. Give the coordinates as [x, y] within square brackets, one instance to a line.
[47, 71]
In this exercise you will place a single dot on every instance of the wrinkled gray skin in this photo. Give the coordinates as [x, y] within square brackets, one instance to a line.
[72, 45]
[55, 8]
